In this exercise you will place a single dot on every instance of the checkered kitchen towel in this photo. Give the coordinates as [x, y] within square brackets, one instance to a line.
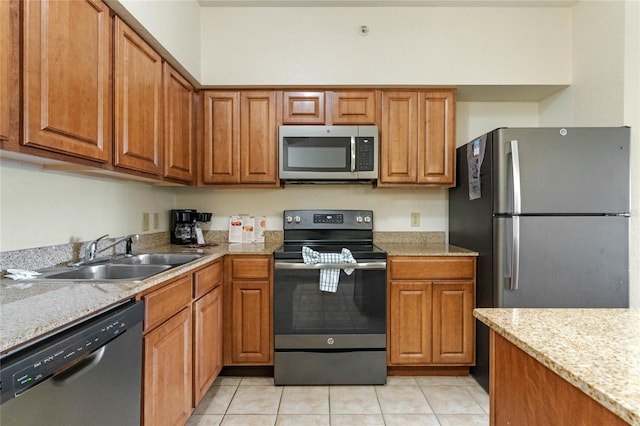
[329, 276]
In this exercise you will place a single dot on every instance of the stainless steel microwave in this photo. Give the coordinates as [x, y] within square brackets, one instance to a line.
[328, 153]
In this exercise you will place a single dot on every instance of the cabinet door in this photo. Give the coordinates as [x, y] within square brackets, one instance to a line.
[207, 345]
[399, 137]
[221, 162]
[453, 323]
[410, 322]
[138, 91]
[436, 138]
[258, 137]
[67, 63]
[250, 339]
[8, 71]
[167, 372]
[357, 107]
[179, 135]
[303, 108]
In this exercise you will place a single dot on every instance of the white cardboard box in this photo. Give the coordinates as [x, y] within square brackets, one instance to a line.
[235, 229]
[248, 226]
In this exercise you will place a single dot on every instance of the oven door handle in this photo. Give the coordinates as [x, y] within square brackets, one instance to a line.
[363, 265]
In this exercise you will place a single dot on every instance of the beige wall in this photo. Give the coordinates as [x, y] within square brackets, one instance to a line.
[48, 208]
[409, 45]
[632, 118]
[175, 24]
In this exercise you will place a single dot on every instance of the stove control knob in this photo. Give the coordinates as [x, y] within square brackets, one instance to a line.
[358, 219]
[367, 219]
[289, 219]
[297, 219]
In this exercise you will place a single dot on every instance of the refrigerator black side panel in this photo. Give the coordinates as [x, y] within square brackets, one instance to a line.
[471, 227]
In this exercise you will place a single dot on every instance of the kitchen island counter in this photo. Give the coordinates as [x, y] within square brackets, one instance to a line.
[595, 350]
[30, 310]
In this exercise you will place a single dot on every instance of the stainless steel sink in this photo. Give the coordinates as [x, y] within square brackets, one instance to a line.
[109, 272]
[173, 259]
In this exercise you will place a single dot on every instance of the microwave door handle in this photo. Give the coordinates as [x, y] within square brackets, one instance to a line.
[353, 154]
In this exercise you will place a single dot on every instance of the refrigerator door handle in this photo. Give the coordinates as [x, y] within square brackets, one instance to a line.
[515, 253]
[515, 173]
[517, 209]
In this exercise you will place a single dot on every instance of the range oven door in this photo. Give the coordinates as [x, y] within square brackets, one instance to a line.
[330, 338]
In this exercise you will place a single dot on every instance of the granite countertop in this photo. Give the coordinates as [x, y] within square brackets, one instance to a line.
[596, 350]
[424, 249]
[29, 310]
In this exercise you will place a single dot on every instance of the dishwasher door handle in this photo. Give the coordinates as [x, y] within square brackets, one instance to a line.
[79, 368]
[363, 265]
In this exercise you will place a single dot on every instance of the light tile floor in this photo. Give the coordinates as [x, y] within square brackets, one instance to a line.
[404, 401]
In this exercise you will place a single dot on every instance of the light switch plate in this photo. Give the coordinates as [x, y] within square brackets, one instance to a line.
[145, 221]
[156, 220]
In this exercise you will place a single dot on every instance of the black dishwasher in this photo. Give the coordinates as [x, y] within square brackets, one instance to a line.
[87, 374]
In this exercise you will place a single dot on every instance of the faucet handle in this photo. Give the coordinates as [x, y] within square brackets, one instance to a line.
[130, 240]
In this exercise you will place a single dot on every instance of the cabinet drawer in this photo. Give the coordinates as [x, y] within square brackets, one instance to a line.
[250, 267]
[437, 268]
[162, 304]
[207, 279]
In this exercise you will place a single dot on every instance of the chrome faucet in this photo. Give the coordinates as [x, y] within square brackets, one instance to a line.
[92, 249]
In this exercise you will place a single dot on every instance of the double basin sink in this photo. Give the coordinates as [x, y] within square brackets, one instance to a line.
[131, 268]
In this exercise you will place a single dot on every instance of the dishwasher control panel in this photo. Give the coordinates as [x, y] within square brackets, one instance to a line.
[59, 354]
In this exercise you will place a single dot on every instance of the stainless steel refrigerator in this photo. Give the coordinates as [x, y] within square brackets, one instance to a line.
[548, 211]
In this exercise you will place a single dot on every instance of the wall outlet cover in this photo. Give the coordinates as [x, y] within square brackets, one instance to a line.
[145, 221]
[415, 219]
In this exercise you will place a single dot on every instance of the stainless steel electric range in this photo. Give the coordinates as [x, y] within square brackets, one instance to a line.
[325, 337]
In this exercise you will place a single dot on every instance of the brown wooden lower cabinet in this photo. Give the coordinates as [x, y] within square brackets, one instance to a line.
[525, 392]
[182, 344]
[207, 344]
[248, 336]
[410, 322]
[167, 372]
[431, 301]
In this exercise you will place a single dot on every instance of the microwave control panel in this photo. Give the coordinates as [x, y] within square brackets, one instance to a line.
[365, 155]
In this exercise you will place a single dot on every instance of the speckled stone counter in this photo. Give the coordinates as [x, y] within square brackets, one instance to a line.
[596, 350]
[424, 249]
[29, 310]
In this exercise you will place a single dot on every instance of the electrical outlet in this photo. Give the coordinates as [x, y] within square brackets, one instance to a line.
[415, 219]
[145, 221]
[156, 220]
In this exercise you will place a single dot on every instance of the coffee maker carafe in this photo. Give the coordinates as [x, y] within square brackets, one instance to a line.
[183, 226]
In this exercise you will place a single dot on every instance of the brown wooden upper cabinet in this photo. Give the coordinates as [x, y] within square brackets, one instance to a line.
[67, 63]
[303, 108]
[241, 138]
[329, 107]
[417, 146]
[6, 33]
[354, 107]
[179, 135]
[138, 103]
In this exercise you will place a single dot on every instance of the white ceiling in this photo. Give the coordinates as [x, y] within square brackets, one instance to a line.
[387, 3]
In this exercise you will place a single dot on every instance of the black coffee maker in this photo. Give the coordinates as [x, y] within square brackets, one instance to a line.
[183, 225]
